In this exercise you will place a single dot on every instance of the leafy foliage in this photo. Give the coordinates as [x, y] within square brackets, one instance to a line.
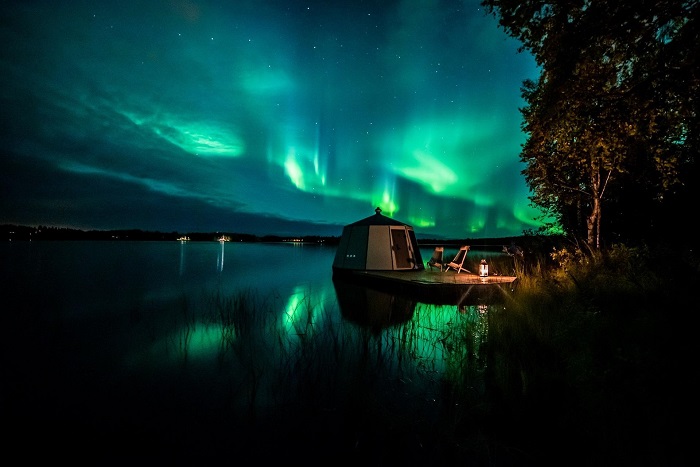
[615, 107]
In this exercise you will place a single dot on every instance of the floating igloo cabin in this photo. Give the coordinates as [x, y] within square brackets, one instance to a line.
[377, 243]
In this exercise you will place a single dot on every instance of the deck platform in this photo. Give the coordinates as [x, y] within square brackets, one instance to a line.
[434, 287]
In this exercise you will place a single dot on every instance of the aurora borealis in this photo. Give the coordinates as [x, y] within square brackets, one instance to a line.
[262, 117]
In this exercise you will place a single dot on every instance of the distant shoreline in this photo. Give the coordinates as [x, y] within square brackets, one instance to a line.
[10, 232]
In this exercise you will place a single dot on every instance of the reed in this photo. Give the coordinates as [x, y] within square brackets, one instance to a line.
[574, 361]
[583, 347]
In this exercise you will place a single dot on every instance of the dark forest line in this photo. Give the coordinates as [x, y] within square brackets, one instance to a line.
[11, 232]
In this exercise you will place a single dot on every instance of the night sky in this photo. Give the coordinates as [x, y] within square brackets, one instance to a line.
[262, 117]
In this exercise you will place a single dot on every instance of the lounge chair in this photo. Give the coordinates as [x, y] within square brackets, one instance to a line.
[458, 261]
[436, 260]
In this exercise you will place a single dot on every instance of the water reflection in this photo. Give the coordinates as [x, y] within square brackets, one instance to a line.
[372, 308]
[194, 347]
[443, 341]
[220, 257]
[182, 257]
[145, 342]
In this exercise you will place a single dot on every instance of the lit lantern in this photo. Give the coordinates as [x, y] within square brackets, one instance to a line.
[483, 268]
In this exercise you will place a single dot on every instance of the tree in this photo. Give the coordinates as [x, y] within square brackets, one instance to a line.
[615, 105]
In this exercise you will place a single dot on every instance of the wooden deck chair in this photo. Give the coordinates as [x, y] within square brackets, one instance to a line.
[436, 260]
[458, 261]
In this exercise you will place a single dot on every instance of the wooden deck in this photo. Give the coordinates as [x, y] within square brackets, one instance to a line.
[432, 286]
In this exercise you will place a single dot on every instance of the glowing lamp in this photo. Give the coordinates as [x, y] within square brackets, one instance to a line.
[483, 268]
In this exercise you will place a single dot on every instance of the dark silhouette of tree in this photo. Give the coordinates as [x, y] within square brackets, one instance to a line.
[612, 120]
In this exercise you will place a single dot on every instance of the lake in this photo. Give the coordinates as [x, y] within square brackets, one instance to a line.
[190, 350]
[208, 352]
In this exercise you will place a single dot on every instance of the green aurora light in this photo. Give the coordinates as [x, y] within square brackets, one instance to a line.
[263, 117]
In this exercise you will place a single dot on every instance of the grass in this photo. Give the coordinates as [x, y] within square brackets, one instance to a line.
[587, 363]
[582, 365]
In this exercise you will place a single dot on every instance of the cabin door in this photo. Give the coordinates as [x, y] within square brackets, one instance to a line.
[401, 249]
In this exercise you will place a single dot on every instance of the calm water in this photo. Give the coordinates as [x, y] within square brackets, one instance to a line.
[203, 353]
[183, 350]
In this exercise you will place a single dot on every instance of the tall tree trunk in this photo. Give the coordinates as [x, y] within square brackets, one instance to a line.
[598, 222]
[594, 224]
[590, 226]
[593, 221]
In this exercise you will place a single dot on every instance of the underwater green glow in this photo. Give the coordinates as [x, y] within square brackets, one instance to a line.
[303, 315]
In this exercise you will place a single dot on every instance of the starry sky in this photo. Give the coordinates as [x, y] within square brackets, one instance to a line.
[279, 117]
